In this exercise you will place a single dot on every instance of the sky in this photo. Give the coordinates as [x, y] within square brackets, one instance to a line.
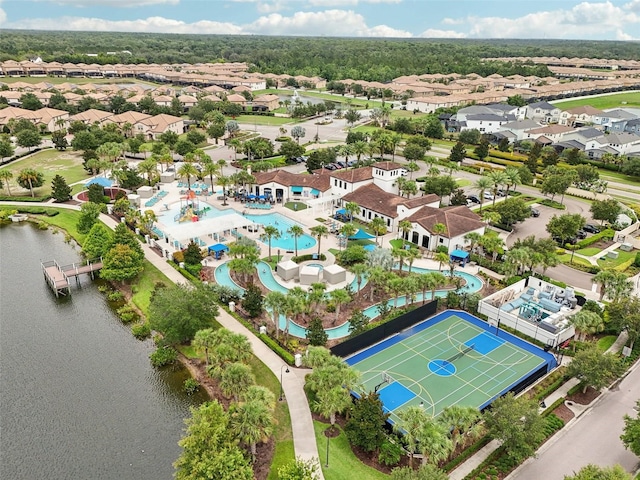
[558, 19]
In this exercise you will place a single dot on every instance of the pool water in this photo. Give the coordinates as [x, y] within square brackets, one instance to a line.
[282, 223]
[316, 265]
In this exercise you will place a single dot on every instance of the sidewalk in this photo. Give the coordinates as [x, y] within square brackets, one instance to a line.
[304, 440]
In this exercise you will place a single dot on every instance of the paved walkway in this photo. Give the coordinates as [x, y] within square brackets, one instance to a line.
[304, 440]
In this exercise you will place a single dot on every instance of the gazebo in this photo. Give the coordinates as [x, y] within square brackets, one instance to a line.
[287, 270]
[459, 256]
[218, 249]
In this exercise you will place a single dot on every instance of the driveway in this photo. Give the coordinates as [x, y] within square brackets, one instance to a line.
[593, 438]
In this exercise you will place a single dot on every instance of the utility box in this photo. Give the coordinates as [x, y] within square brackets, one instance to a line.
[613, 255]
[626, 247]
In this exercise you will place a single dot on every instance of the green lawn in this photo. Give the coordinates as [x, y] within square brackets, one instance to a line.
[463, 182]
[567, 257]
[263, 120]
[295, 206]
[50, 163]
[588, 252]
[343, 464]
[145, 284]
[606, 101]
[605, 342]
[606, 262]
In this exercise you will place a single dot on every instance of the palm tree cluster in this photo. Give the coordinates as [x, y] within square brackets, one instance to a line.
[251, 415]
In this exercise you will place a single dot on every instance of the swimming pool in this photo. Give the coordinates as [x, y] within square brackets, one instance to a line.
[286, 241]
[282, 223]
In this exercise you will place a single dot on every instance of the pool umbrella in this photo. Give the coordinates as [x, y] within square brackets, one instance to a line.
[102, 181]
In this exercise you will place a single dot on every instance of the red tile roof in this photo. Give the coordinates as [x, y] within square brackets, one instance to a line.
[458, 219]
[288, 179]
[377, 200]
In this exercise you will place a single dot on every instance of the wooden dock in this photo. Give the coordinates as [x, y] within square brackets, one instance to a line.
[59, 277]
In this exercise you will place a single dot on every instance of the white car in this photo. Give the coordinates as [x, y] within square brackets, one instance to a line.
[488, 196]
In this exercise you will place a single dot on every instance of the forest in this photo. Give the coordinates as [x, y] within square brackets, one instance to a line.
[371, 59]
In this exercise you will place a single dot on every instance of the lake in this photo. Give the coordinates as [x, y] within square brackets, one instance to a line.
[79, 398]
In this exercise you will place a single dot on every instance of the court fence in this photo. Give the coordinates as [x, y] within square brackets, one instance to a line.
[376, 334]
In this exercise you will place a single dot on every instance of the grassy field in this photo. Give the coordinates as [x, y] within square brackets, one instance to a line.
[605, 342]
[577, 260]
[263, 120]
[605, 101]
[606, 262]
[343, 464]
[588, 252]
[50, 163]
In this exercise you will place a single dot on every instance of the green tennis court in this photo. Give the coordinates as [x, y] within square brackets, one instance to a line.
[452, 358]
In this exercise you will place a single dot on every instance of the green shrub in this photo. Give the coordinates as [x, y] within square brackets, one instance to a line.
[552, 204]
[163, 356]
[309, 256]
[273, 345]
[512, 280]
[141, 331]
[390, 453]
[636, 262]
[190, 386]
[116, 296]
[127, 314]
[606, 233]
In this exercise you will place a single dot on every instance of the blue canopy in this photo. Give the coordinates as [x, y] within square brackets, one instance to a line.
[459, 254]
[315, 191]
[342, 211]
[102, 181]
[296, 189]
[251, 197]
[218, 247]
[361, 235]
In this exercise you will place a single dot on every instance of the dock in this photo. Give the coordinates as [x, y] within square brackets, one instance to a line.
[59, 277]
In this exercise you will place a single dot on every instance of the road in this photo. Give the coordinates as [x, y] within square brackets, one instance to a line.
[593, 438]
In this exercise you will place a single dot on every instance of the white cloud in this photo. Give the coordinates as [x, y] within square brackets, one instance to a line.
[116, 3]
[150, 24]
[584, 20]
[346, 3]
[344, 23]
[435, 33]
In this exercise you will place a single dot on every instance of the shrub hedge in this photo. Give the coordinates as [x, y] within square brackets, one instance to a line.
[606, 233]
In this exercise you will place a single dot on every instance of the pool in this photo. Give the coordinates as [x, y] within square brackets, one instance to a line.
[173, 215]
[282, 223]
[316, 265]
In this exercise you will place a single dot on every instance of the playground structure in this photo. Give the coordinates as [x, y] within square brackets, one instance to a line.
[190, 210]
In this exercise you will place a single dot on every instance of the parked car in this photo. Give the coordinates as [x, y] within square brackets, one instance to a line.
[502, 193]
[581, 234]
[473, 199]
[330, 166]
[591, 228]
[488, 196]
[535, 212]
[562, 242]
[351, 163]
[337, 166]
[342, 163]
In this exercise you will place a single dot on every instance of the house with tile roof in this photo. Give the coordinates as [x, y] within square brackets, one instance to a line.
[376, 202]
[50, 118]
[543, 112]
[153, 127]
[622, 144]
[458, 220]
[579, 116]
[284, 186]
[91, 117]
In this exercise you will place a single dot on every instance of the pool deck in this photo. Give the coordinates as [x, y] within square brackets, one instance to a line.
[303, 217]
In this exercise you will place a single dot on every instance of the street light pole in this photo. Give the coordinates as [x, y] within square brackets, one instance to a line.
[286, 371]
[327, 464]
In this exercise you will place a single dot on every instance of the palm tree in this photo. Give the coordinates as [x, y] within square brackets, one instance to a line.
[435, 444]
[5, 176]
[492, 244]
[224, 182]
[339, 297]
[315, 295]
[258, 393]
[482, 185]
[586, 323]
[604, 278]
[491, 217]
[404, 226]
[235, 379]
[348, 230]
[395, 284]
[275, 302]
[360, 271]
[148, 167]
[251, 422]
[28, 178]
[210, 169]
[497, 178]
[270, 232]
[441, 258]
[296, 231]
[473, 238]
[462, 423]
[295, 304]
[438, 229]
[332, 401]
[204, 340]
[436, 280]
[187, 170]
[359, 148]
[400, 254]
[516, 259]
[319, 231]
[412, 167]
[410, 425]
[412, 255]
[619, 287]
[379, 227]
[352, 208]
[513, 178]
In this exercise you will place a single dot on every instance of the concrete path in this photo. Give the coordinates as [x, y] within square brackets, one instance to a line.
[304, 440]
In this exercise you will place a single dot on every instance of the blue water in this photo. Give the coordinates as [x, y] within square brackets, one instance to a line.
[282, 223]
[473, 284]
[317, 265]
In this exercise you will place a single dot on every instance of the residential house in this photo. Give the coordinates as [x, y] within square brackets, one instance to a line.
[385, 175]
[153, 127]
[621, 143]
[579, 116]
[548, 133]
[91, 117]
[187, 101]
[485, 122]
[376, 202]
[269, 102]
[458, 221]
[614, 120]
[516, 131]
[49, 119]
[12, 113]
[543, 112]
